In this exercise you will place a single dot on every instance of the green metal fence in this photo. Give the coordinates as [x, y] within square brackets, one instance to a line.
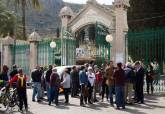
[47, 55]
[21, 56]
[149, 46]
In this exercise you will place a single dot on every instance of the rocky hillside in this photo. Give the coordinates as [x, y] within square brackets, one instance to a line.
[45, 21]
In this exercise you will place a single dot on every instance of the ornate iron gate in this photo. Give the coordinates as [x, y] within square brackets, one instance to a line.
[149, 46]
[101, 44]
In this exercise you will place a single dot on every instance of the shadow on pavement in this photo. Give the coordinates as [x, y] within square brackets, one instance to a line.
[133, 111]
[98, 106]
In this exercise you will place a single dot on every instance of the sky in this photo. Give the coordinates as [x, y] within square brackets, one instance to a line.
[108, 2]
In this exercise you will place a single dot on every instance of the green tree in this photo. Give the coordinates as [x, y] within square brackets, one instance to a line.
[7, 21]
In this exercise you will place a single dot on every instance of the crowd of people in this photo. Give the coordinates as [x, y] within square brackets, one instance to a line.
[119, 85]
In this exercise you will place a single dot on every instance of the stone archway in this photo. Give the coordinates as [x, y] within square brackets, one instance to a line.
[90, 16]
[91, 43]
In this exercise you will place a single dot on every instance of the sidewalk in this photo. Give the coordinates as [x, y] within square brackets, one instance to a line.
[153, 105]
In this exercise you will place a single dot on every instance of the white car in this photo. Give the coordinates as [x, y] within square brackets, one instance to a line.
[60, 69]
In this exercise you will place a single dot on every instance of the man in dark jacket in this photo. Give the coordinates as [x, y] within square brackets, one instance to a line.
[119, 77]
[129, 76]
[47, 77]
[150, 78]
[139, 70]
[74, 82]
[54, 86]
[14, 71]
[36, 78]
[12, 74]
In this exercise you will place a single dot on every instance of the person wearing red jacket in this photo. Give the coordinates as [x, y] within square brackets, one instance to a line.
[20, 78]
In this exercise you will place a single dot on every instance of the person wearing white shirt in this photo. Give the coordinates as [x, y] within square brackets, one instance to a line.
[91, 80]
[66, 85]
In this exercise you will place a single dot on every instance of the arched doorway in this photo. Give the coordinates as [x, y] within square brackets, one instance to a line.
[91, 44]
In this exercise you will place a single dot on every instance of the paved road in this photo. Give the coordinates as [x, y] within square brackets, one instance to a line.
[153, 105]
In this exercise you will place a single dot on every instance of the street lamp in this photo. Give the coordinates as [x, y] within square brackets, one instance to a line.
[109, 39]
[53, 46]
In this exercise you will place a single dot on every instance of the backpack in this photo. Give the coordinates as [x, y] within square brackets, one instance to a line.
[21, 82]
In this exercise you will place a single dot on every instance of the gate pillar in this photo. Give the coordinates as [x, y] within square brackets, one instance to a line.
[7, 51]
[121, 7]
[34, 38]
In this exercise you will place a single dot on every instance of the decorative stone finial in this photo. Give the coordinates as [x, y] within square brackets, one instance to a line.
[34, 37]
[66, 11]
[121, 3]
[8, 40]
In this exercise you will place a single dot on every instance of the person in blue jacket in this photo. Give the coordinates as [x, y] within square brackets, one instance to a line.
[83, 79]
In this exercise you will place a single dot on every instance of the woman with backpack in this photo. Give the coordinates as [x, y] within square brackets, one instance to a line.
[20, 78]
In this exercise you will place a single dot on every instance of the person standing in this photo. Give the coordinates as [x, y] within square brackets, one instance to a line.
[119, 86]
[98, 83]
[4, 73]
[36, 78]
[4, 76]
[91, 83]
[54, 86]
[111, 81]
[83, 79]
[47, 77]
[156, 69]
[74, 82]
[129, 77]
[150, 78]
[42, 82]
[104, 83]
[66, 84]
[20, 78]
[13, 73]
[139, 71]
